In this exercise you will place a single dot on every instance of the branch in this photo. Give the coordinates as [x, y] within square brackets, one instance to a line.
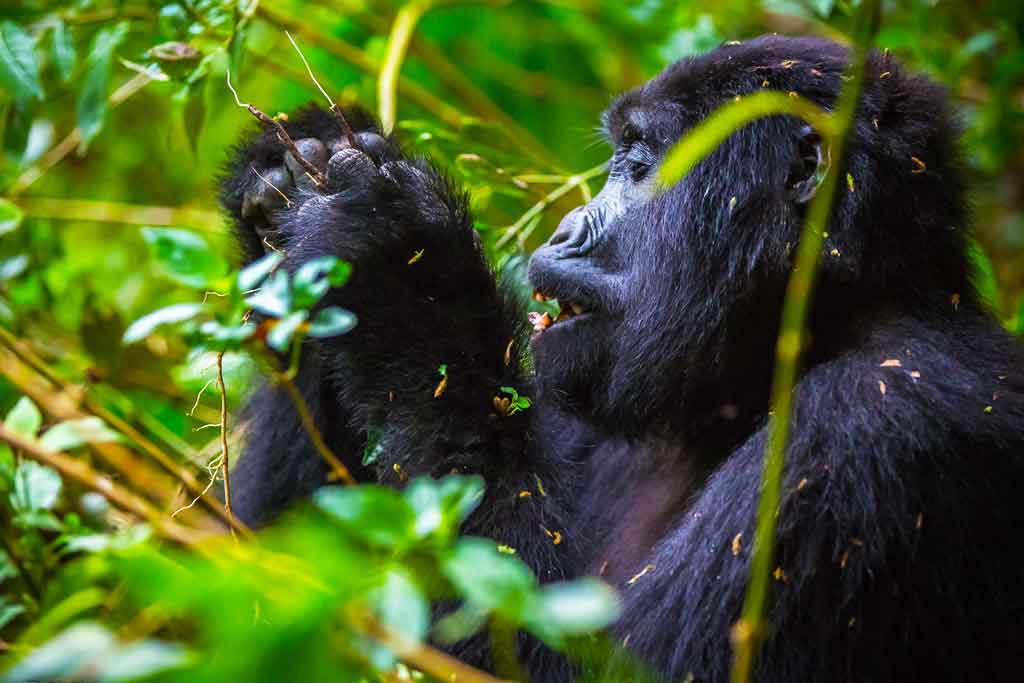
[224, 435]
[311, 429]
[119, 496]
[119, 212]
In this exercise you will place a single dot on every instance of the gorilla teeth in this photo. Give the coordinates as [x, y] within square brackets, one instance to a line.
[576, 308]
[540, 321]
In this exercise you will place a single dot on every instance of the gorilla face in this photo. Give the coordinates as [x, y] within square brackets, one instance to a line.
[654, 284]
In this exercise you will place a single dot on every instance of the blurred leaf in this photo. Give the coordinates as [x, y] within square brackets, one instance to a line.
[195, 111]
[572, 608]
[63, 50]
[443, 504]
[983, 275]
[9, 611]
[19, 70]
[378, 515]
[36, 487]
[316, 276]
[89, 651]
[144, 326]
[401, 606]
[256, 272]
[92, 102]
[491, 580]
[13, 267]
[10, 216]
[274, 297]
[331, 321]
[24, 418]
[184, 256]
[280, 335]
[69, 434]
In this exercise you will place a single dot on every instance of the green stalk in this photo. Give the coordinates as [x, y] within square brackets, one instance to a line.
[398, 44]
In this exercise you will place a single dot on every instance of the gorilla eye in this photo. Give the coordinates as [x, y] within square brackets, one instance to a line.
[638, 161]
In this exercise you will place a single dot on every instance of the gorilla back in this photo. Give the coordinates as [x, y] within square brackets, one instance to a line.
[898, 554]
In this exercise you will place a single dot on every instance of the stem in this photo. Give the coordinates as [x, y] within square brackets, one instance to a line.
[398, 43]
[749, 631]
[119, 212]
[224, 436]
[314, 434]
[116, 494]
[574, 181]
[19, 565]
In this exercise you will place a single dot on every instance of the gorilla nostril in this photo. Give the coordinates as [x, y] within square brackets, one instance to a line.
[572, 231]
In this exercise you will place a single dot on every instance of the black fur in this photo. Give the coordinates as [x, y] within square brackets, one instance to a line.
[899, 547]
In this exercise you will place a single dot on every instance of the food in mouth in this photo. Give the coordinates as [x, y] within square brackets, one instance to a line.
[542, 321]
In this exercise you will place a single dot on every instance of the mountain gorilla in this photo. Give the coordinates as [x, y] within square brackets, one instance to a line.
[899, 533]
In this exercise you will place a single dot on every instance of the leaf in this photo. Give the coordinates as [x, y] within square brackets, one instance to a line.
[315, 277]
[331, 321]
[70, 434]
[487, 578]
[89, 651]
[195, 111]
[13, 267]
[144, 326]
[92, 102]
[572, 608]
[274, 297]
[24, 419]
[36, 487]
[8, 612]
[281, 334]
[378, 515]
[184, 256]
[400, 606]
[442, 505]
[63, 50]
[255, 273]
[10, 216]
[983, 275]
[19, 70]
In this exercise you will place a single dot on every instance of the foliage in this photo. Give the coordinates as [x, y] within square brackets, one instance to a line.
[114, 120]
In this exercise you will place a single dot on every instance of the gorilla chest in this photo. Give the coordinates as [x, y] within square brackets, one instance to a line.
[633, 497]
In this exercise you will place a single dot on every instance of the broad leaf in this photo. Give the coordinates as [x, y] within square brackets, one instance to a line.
[92, 103]
[63, 50]
[69, 434]
[24, 418]
[19, 70]
[281, 334]
[36, 487]
[144, 326]
[378, 515]
[184, 256]
[491, 580]
[256, 272]
[331, 321]
[10, 216]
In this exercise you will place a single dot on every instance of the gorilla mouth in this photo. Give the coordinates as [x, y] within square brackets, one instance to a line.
[567, 311]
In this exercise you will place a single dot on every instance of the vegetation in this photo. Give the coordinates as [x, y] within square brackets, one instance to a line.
[125, 345]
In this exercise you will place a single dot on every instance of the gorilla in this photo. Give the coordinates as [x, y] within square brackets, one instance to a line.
[900, 552]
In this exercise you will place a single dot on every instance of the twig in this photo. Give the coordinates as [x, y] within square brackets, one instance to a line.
[119, 212]
[439, 665]
[311, 429]
[282, 135]
[274, 187]
[224, 436]
[398, 43]
[123, 498]
[548, 199]
[346, 129]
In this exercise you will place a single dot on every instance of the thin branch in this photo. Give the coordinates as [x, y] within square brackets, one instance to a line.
[346, 129]
[119, 212]
[311, 429]
[282, 135]
[116, 494]
[224, 435]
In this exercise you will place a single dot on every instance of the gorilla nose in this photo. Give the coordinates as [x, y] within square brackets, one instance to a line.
[574, 231]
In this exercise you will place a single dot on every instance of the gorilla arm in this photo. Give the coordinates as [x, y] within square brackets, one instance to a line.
[418, 382]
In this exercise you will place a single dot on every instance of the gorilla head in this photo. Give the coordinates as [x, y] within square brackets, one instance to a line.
[673, 298]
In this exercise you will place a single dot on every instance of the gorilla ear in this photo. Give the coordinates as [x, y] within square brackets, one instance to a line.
[807, 168]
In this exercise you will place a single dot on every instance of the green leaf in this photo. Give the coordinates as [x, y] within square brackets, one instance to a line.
[374, 445]
[274, 297]
[89, 651]
[63, 50]
[331, 321]
[983, 275]
[69, 434]
[443, 505]
[184, 256]
[253, 275]
[195, 111]
[281, 334]
[36, 487]
[378, 515]
[315, 277]
[144, 326]
[24, 418]
[491, 580]
[92, 103]
[400, 605]
[9, 611]
[19, 70]
[10, 216]
[13, 267]
[572, 608]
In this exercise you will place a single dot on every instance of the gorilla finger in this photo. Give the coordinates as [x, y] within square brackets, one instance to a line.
[349, 167]
[369, 143]
[313, 151]
[267, 195]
